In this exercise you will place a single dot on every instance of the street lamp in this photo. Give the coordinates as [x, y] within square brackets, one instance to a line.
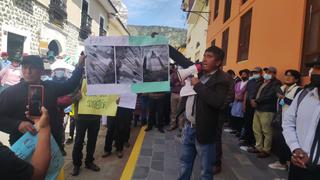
[184, 8]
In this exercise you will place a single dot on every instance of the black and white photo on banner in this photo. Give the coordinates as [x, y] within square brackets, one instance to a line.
[127, 64]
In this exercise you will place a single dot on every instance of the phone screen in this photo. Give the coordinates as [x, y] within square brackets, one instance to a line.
[35, 99]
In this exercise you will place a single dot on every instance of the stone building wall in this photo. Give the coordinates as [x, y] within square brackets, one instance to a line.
[24, 15]
[30, 16]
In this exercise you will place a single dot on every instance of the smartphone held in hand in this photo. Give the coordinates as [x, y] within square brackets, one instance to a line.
[35, 100]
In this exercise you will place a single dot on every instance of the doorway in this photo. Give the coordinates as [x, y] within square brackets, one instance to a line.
[15, 44]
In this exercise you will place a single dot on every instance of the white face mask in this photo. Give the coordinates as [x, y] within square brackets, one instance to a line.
[45, 78]
[59, 73]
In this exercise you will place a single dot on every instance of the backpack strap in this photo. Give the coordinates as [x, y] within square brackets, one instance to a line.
[301, 97]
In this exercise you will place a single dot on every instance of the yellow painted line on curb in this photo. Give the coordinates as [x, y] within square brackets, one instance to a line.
[132, 161]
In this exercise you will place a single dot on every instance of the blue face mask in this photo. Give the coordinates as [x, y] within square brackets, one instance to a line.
[256, 76]
[250, 78]
[267, 76]
[59, 73]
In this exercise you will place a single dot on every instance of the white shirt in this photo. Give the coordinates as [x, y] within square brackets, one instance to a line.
[190, 107]
[299, 131]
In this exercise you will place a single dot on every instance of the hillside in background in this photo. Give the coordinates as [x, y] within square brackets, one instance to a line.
[177, 36]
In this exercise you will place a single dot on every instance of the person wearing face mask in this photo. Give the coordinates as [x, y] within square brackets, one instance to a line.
[265, 103]
[63, 102]
[286, 95]
[301, 129]
[247, 140]
[59, 75]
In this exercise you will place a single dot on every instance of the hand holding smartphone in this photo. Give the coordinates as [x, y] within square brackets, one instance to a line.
[35, 100]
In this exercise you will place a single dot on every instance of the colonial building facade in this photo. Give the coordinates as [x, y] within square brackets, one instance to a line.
[57, 27]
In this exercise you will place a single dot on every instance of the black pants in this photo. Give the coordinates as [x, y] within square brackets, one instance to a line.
[248, 123]
[72, 126]
[156, 112]
[222, 118]
[91, 126]
[167, 109]
[238, 123]
[118, 129]
[297, 173]
[280, 146]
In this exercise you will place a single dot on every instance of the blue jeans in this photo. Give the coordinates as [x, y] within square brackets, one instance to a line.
[190, 148]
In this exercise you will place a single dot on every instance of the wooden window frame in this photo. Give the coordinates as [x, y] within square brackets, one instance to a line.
[216, 9]
[224, 45]
[307, 54]
[227, 10]
[244, 36]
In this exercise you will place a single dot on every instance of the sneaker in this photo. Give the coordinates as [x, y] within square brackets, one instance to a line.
[243, 143]
[277, 165]
[244, 148]
[227, 130]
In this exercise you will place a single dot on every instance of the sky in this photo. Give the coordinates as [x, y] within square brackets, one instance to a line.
[155, 12]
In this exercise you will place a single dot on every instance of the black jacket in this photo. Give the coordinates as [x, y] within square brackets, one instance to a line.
[267, 102]
[13, 102]
[210, 97]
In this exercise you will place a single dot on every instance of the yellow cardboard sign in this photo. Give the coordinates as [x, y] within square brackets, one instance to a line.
[104, 105]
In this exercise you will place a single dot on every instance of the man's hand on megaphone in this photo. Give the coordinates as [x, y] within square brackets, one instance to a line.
[194, 81]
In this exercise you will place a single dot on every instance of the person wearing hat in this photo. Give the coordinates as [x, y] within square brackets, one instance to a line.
[247, 140]
[301, 129]
[5, 61]
[11, 75]
[265, 104]
[13, 100]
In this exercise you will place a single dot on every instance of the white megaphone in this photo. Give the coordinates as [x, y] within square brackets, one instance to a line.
[190, 71]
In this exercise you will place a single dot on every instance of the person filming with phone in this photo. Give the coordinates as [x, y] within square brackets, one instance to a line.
[12, 167]
[15, 99]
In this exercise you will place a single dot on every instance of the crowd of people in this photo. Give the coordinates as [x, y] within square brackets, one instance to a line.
[267, 115]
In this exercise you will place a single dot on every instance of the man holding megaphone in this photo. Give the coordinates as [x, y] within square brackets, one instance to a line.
[202, 109]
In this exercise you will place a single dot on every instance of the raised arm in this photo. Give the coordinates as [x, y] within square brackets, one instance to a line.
[179, 58]
[71, 84]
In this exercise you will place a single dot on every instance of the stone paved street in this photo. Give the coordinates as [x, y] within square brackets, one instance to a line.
[159, 159]
[111, 167]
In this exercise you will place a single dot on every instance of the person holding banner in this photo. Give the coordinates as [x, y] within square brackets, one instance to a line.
[13, 167]
[90, 124]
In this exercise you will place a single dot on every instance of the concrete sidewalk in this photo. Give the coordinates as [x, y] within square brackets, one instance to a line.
[159, 159]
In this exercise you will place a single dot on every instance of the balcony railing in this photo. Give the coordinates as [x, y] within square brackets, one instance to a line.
[86, 23]
[57, 12]
[102, 32]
